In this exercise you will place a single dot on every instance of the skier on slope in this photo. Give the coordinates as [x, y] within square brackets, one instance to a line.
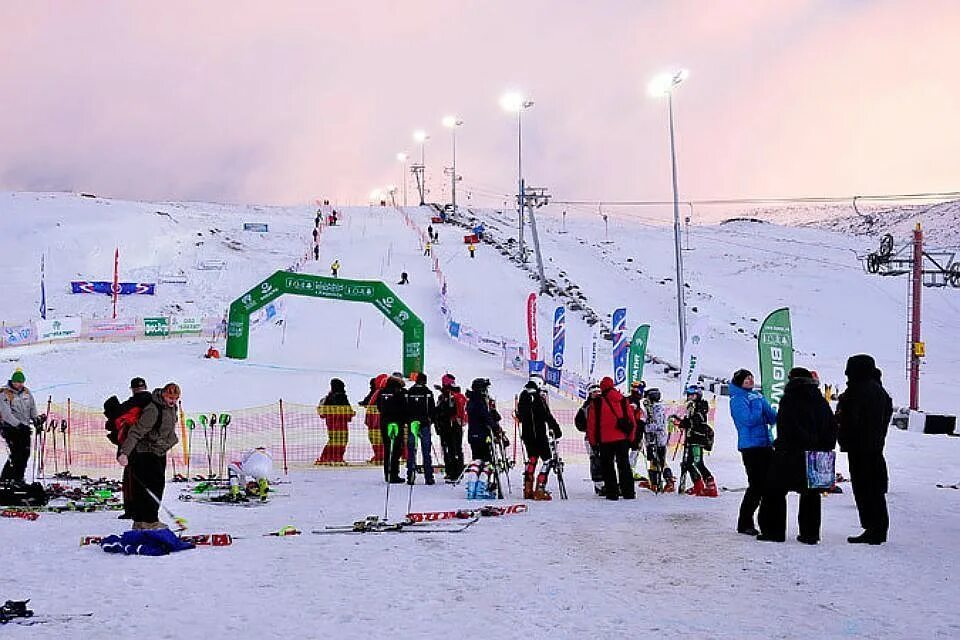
[451, 416]
[337, 413]
[392, 406]
[580, 421]
[698, 437]
[655, 438]
[421, 411]
[535, 419]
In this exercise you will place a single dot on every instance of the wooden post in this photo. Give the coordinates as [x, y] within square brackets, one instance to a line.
[67, 438]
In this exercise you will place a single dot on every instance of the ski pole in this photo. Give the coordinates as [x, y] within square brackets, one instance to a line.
[180, 522]
[392, 430]
[190, 426]
[207, 444]
[66, 457]
[412, 460]
[56, 464]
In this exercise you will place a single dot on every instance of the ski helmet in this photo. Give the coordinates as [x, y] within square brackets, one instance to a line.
[480, 385]
[653, 394]
[593, 388]
[694, 390]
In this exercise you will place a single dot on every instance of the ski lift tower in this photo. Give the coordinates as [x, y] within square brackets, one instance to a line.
[534, 198]
[934, 268]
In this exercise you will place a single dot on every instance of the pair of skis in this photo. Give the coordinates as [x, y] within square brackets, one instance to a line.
[374, 524]
[200, 540]
[466, 514]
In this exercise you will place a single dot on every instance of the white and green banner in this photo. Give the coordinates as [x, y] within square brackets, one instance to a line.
[638, 351]
[775, 342]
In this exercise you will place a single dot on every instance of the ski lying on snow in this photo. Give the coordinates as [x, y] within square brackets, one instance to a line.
[45, 619]
[948, 486]
[379, 526]
[465, 514]
[201, 540]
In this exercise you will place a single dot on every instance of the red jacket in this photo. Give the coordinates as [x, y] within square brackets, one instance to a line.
[460, 401]
[602, 416]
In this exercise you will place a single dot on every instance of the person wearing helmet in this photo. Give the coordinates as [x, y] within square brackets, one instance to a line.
[698, 436]
[483, 424]
[636, 400]
[392, 407]
[451, 416]
[753, 417]
[535, 420]
[655, 439]
[580, 422]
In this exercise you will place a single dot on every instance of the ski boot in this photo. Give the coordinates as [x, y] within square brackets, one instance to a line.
[528, 491]
[710, 489]
[14, 609]
[669, 486]
[642, 481]
[263, 489]
[697, 489]
[542, 495]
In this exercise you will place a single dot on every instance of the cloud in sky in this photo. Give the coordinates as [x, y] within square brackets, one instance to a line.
[285, 102]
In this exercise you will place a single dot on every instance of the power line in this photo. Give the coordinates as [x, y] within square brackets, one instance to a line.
[933, 195]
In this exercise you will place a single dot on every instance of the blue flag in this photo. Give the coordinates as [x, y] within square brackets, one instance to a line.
[559, 336]
[43, 289]
[619, 345]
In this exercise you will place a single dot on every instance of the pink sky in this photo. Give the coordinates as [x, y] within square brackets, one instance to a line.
[287, 101]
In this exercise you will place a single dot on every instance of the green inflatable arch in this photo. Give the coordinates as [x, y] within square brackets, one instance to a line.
[371, 291]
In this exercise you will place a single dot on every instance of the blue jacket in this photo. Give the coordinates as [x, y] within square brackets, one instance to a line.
[753, 416]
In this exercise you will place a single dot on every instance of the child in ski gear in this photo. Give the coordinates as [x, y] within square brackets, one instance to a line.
[145, 450]
[18, 412]
[611, 425]
[580, 422]
[655, 439]
[752, 416]
[864, 410]
[636, 401]
[805, 422]
[451, 416]
[337, 413]
[482, 427]
[255, 463]
[335, 268]
[535, 419]
[421, 411]
[392, 406]
[698, 437]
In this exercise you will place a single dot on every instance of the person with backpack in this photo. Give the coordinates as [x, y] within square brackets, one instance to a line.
[864, 410]
[337, 413]
[144, 450]
[18, 412]
[451, 416]
[580, 422]
[805, 423]
[535, 420]
[120, 417]
[392, 407]
[421, 411]
[611, 426]
[698, 437]
[753, 417]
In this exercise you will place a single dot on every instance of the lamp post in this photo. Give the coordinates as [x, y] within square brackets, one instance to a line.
[402, 158]
[663, 85]
[452, 122]
[420, 137]
[516, 103]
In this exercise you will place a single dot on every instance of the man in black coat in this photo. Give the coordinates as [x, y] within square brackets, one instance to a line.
[535, 419]
[392, 407]
[805, 422]
[422, 409]
[864, 410]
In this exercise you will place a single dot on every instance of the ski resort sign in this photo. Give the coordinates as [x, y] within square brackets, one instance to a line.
[370, 291]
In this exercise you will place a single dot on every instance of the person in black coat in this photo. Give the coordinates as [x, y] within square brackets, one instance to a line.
[421, 408]
[805, 422]
[535, 419]
[392, 407]
[864, 410]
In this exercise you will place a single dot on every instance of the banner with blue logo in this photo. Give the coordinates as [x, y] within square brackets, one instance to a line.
[619, 345]
[551, 375]
[559, 336]
[102, 286]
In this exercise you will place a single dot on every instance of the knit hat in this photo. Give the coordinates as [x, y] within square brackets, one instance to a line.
[861, 367]
[799, 372]
[18, 376]
[739, 376]
[606, 384]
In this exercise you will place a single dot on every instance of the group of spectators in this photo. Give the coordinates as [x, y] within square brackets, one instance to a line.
[806, 423]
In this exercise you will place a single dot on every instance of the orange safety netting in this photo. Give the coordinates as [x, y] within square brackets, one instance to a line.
[296, 435]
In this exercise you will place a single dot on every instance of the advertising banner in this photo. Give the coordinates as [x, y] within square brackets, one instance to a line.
[58, 329]
[775, 342]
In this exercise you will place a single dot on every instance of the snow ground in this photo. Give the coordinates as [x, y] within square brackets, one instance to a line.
[661, 564]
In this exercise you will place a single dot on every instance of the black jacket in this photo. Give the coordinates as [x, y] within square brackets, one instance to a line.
[420, 405]
[392, 404]
[864, 410]
[804, 423]
[535, 417]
